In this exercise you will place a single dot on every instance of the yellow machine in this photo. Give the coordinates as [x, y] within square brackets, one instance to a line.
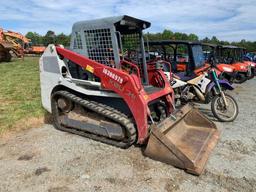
[14, 43]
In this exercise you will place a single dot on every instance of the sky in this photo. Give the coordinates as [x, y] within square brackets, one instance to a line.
[230, 20]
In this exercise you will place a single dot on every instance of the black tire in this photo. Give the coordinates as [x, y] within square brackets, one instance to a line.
[240, 78]
[217, 101]
[252, 73]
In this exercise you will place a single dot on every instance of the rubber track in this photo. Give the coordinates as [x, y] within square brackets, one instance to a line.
[103, 110]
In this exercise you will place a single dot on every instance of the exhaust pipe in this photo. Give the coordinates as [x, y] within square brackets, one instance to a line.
[199, 94]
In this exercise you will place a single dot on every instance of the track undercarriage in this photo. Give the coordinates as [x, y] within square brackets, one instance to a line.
[92, 119]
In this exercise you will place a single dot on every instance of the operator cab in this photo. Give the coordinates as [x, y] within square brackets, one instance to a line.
[109, 41]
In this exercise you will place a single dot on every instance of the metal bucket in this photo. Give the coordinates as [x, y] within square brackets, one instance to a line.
[185, 141]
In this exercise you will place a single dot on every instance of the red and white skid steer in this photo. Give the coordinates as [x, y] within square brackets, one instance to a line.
[102, 90]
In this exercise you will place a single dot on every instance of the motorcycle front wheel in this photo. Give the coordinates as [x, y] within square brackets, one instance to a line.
[224, 113]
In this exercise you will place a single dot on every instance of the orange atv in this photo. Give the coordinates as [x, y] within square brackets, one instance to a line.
[248, 61]
[231, 55]
[224, 57]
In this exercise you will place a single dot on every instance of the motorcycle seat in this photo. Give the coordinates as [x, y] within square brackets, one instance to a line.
[185, 77]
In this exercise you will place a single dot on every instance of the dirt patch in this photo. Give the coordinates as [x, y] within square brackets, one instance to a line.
[140, 162]
[173, 185]
[230, 183]
[59, 189]
[3, 144]
[230, 155]
[26, 157]
[237, 146]
[27, 123]
[238, 89]
[116, 181]
[41, 170]
[97, 188]
[7, 102]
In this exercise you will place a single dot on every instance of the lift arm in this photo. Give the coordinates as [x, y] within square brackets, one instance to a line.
[127, 86]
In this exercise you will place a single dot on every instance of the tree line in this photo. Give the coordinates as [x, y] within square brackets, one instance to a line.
[48, 38]
[51, 37]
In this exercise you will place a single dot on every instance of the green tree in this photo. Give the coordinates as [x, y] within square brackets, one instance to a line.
[214, 40]
[178, 36]
[206, 40]
[63, 39]
[49, 38]
[224, 43]
[167, 34]
[35, 38]
[193, 37]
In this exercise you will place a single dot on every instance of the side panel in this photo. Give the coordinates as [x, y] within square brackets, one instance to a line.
[200, 81]
[223, 83]
[203, 84]
[177, 83]
[51, 77]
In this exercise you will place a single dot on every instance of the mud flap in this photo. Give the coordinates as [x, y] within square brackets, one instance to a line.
[185, 141]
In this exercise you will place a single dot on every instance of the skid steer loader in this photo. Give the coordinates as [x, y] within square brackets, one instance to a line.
[101, 89]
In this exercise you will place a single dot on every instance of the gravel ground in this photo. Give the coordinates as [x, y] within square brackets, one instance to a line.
[44, 159]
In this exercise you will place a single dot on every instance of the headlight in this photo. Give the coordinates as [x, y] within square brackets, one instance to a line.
[227, 69]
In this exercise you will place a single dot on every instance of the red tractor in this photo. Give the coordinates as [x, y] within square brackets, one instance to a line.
[102, 89]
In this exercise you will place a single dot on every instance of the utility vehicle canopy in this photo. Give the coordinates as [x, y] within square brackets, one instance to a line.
[180, 52]
[168, 42]
[225, 53]
[230, 54]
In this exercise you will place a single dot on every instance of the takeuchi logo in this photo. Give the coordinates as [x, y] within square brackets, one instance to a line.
[113, 76]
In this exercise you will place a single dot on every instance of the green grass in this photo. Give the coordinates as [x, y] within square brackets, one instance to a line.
[19, 92]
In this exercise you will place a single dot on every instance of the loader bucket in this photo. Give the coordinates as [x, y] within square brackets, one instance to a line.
[185, 141]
